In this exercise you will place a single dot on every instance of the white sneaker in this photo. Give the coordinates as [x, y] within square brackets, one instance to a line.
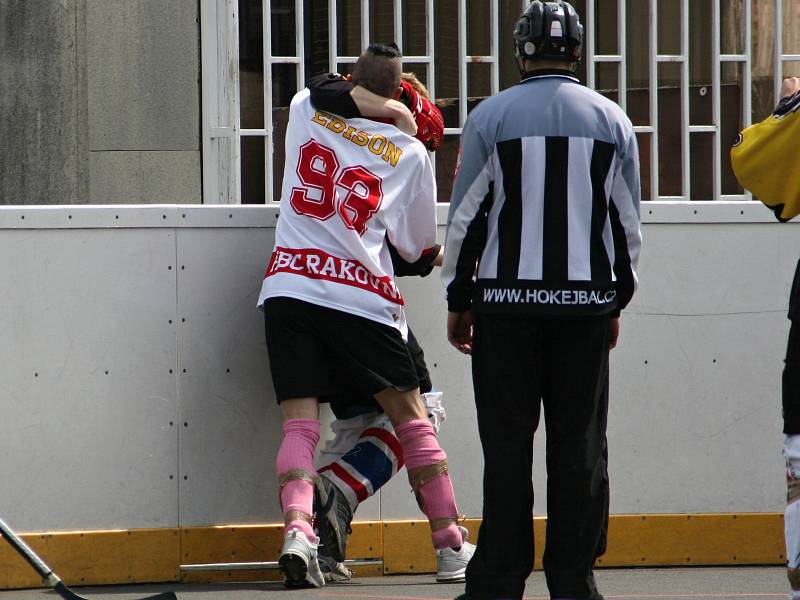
[451, 566]
[298, 561]
[333, 571]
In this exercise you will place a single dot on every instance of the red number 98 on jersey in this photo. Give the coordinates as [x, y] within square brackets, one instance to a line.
[319, 172]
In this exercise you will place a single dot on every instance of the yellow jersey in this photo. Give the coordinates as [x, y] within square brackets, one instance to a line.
[766, 159]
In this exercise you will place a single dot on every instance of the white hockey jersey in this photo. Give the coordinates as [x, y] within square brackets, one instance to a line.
[347, 186]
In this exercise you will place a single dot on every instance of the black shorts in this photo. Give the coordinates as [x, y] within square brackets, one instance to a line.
[349, 403]
[315, 351]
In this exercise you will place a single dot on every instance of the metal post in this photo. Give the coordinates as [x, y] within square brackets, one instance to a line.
[778, 48]
[622, 71]
[364, 24]
[462, 62]
[398, 23]
[590, 44]
[685, 81]
[333, 31]
[716, 90]
[266, 20]
[653, 57]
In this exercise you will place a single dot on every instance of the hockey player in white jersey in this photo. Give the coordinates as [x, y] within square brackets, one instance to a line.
[331, 305]
[363, 455]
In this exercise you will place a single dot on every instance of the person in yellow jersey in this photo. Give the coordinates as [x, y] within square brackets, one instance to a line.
[766, 160]
[765, 157]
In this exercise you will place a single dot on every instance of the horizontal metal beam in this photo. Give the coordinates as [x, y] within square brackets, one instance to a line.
[265, 566]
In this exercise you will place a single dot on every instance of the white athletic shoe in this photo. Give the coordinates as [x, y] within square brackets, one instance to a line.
[451, 566]
[334, 571]
[298, 561]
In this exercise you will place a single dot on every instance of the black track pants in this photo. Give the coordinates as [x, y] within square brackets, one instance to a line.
[518, 365]
[791, 369]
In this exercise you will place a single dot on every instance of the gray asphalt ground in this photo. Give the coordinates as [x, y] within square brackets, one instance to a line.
[739, 583]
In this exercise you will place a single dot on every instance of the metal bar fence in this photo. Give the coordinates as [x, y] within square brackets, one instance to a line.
[655, 59]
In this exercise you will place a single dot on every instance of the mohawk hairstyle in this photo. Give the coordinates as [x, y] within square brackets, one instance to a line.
[373, 71]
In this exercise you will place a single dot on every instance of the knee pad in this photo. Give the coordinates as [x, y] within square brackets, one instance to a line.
[791, 519]
[347, 433]
[791, 524]
[794, 582]
[435, 408]
[791, 454]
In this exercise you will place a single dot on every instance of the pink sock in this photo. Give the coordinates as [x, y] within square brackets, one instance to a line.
[300, 437]
[421, 448]
[303, 526]
[448, 537]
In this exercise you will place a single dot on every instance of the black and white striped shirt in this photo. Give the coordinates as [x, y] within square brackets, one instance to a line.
[544, 216]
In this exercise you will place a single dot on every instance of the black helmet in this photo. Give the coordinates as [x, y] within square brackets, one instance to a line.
[548, 30]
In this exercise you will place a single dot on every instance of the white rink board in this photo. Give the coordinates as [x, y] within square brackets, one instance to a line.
[88, 434]
[695, 428]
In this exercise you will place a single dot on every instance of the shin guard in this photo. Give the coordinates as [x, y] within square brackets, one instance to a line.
[296, 475]
[791, 523]
[427, 472]
[791, 518]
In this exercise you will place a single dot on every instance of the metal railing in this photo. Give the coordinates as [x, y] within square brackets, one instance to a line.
[593, 59]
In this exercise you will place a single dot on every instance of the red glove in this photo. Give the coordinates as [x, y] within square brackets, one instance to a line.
[430, 125]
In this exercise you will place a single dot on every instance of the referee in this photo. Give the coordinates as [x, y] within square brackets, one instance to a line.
[542, 245]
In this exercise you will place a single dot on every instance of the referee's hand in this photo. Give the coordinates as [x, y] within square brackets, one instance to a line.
[459, 331]
[614, 333]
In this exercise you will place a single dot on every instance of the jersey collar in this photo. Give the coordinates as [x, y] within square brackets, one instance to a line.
[542, 73]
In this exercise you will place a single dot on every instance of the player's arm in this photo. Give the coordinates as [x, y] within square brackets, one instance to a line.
[335, 94]
[467, 226]
[411, 225]
[467, 230]
[331, 93]
[421, 267]
[375, 106]
[623, 213]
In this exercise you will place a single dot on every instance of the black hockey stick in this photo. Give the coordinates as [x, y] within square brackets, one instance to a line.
[50, 578]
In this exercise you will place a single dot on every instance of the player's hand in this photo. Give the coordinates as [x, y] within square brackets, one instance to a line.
[430, 124]
[437, 262]
[459, 331]
[402, 117]
[790, 87]
[614, 337]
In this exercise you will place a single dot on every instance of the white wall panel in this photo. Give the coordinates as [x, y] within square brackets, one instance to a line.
[229, 421]
[87, 402]
[695, 403]
[695, 419]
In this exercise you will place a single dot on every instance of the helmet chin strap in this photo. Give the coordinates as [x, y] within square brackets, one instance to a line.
[520, 63]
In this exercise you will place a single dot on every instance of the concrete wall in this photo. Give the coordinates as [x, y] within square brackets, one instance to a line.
[43, 146]
[102, 102]
[135, 390]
